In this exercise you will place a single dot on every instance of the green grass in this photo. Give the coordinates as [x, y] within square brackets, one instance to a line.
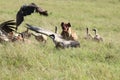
[36, 61]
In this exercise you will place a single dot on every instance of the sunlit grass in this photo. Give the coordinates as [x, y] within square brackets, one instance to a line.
[37, 61]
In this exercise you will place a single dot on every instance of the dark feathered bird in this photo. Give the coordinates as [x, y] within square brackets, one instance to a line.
[57, 39]
[28, 10]
[7, 26]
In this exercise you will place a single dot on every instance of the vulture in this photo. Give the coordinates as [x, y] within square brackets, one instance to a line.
[40, 37]
[28, 10]
[57, 39]
[7, 26]
[88, 35]
[97, 37]
[26, 34]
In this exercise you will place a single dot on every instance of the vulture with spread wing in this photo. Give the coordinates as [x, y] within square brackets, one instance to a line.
[57, 39]
[7, 26]
[28, 10]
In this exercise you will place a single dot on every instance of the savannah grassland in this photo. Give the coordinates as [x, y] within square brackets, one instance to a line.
[37, 61]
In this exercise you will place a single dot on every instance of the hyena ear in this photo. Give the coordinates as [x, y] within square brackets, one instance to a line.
[69, 25]
[62, 23]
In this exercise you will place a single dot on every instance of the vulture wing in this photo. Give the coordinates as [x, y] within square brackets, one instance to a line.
[7, 26]
[24, 11]
[28, 10]
[19, 19]
[40, 30]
